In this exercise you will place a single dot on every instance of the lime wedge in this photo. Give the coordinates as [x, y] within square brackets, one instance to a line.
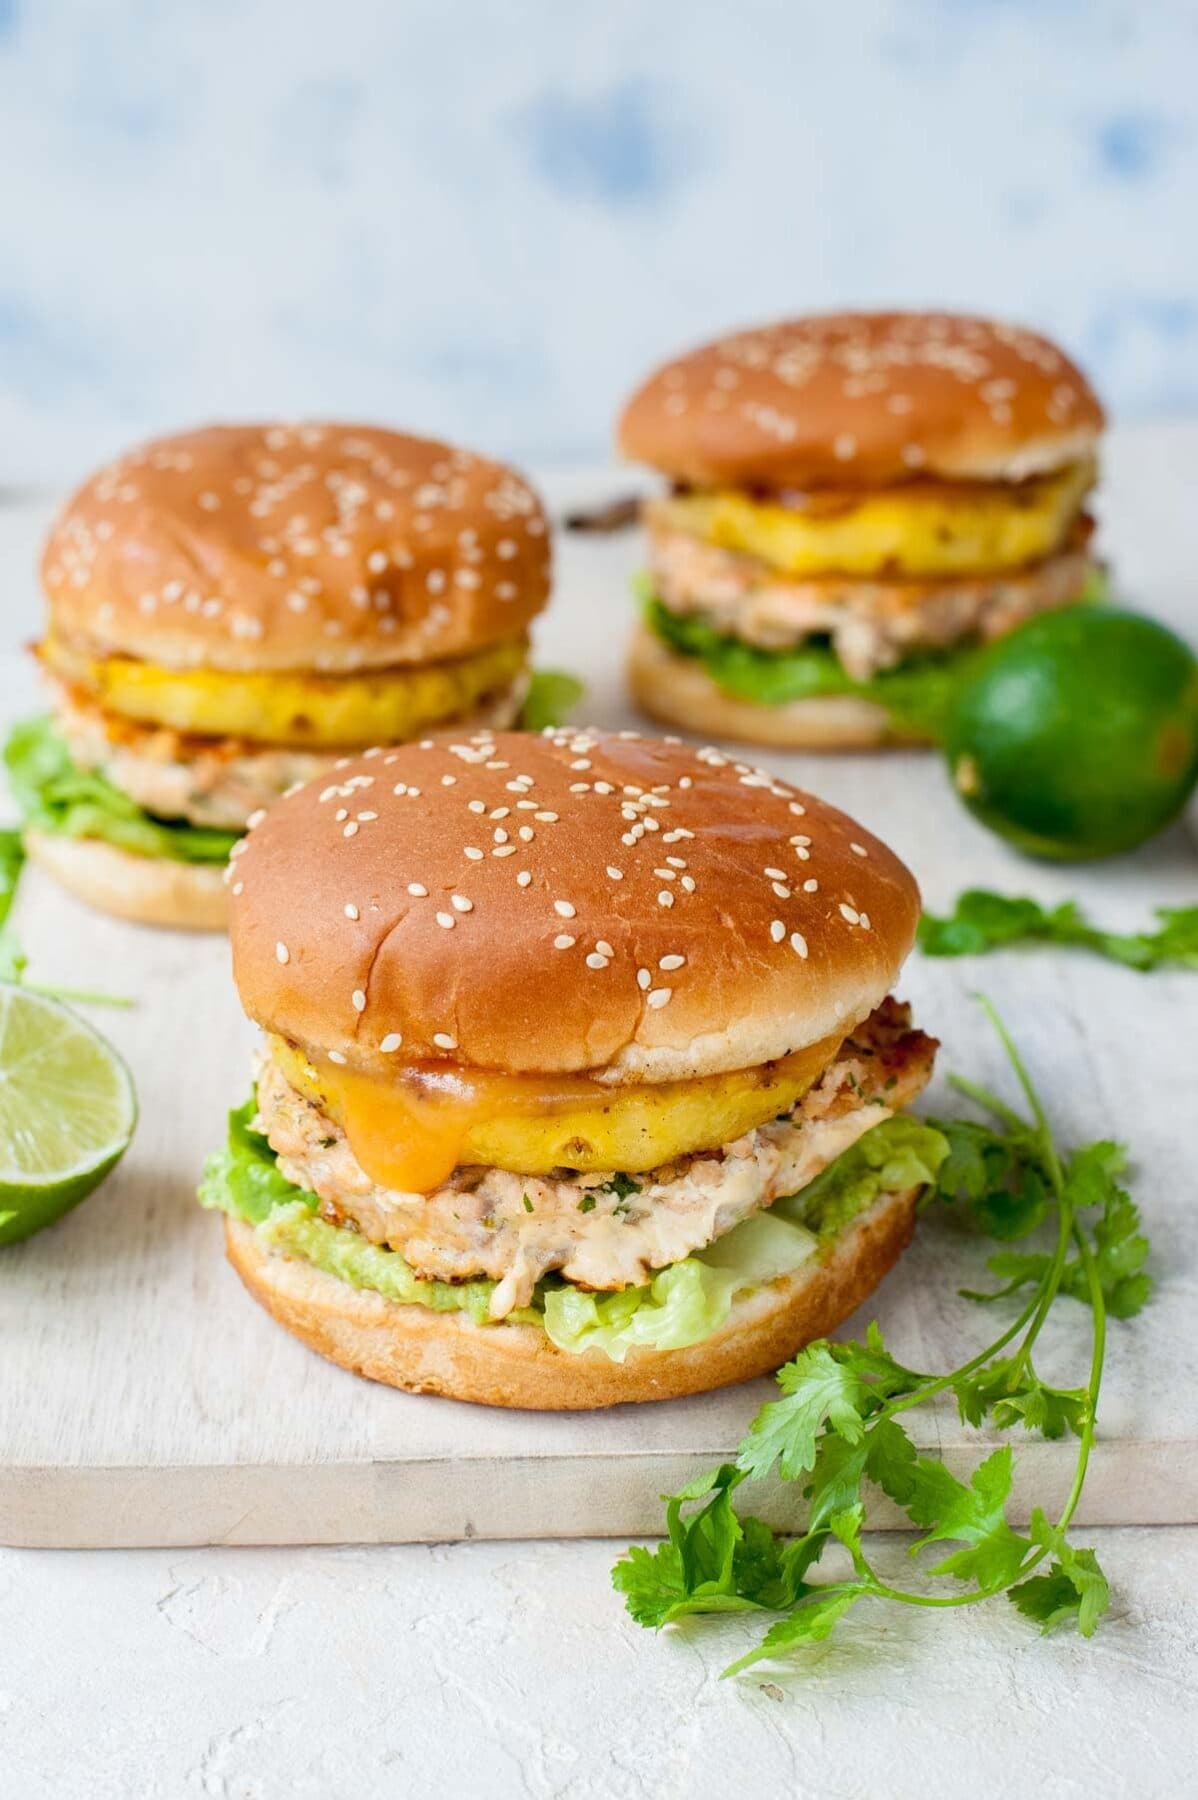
[67, 1111]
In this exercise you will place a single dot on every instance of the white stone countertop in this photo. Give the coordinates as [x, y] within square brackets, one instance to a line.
[511, 1669]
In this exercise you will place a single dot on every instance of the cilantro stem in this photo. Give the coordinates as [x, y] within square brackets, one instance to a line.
[974, 1091]
[929, 1389]
[1097, 1358]
[78, 996]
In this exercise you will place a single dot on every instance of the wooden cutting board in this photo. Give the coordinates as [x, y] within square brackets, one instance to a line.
[146, 1400]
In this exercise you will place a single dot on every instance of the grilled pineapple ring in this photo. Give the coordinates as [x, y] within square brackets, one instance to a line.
[929, 528]
[298, 709]
[410, 1135]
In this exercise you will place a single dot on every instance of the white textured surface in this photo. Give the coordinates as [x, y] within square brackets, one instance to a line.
[183, 1438]
[511, 1670]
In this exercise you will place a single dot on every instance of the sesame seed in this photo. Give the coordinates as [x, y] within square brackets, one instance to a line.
[359, 1000]
[688, 883]
[643, 978]
[850, 913]
[564, 942]
[658, 997]
[595, 961]
[523, 878]
[780, 888]
[798, 943]
[255, 818]
[478, 806]
[564, 909]
[777, 930]
[504, 850]
[417, 890]
[811, 885]
[603, 947]
[798, 810]
[776, 874]
[283, 953]
[460, 903]
[400, 788]
[499, 835]
[615, 874]
[526, 834]
[391, 1042]
[546, 818]
[858, 849]
[365, 817]
[670, 963]
[335, 1056]
[863, 921]
[443, 1041]
[350, 830]
[446, 921]
[665, 898]
[473, 854]
[351, 911]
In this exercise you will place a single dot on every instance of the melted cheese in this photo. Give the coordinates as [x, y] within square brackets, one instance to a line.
[298, 709]
[926, 528]
[410, 1129]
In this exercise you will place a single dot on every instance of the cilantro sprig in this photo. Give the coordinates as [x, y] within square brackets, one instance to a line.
[13, 960]
[982, 921]
[837, 1428]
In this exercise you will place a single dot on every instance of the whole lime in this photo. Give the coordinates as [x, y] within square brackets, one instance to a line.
[1077, 735]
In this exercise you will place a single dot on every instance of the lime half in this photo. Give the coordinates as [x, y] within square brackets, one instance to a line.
[67, 1111]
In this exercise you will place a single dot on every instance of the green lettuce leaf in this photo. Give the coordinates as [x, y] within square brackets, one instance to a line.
[682, 1305]
[244, 1179]
[918, 695]
[901, 1152]
[551, 698]
[55, 796]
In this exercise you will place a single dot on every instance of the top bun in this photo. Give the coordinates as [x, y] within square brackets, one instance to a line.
[864, 400]
[579, 901]
[331, 547]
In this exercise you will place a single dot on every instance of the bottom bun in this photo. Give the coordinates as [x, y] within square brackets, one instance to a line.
[516, 1365]
[153, 890]
[677, 690]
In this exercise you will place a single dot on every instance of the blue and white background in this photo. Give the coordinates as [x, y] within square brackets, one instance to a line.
[486, 219]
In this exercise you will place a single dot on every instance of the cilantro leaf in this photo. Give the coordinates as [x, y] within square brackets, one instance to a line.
[1074, 1591]
[836, 1426]
[1009, 1392]
[817, 1387]
[1003, 1184]
[812, 1620]
[982, 921]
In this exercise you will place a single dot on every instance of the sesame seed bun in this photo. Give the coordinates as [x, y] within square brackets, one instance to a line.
[863, 400]
[329, 547]
[677, 690]
[517, 1365]
[628, 906]
[151, 890]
